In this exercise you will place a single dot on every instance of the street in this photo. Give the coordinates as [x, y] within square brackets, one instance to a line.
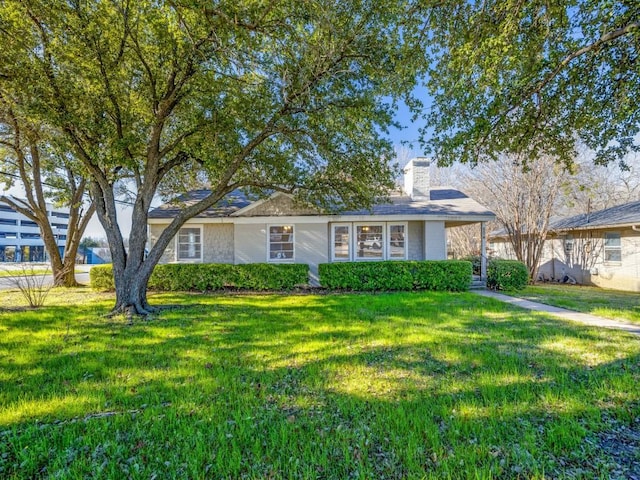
[8, 283]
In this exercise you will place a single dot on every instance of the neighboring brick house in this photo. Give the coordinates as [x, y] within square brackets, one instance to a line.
[237, 230]
[601, 248]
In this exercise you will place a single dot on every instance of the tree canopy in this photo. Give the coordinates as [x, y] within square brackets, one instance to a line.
[47, 171]
[293, 96]
[534, 78]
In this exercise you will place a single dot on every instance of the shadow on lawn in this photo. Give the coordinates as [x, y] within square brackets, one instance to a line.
[397, 386]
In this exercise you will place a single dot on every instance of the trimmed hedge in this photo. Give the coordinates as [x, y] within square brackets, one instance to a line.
[507, 275]
[214, 276]
[101, 277]
[438, 275]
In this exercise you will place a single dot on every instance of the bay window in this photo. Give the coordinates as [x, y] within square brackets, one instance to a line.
[368, 241]
[397, 241]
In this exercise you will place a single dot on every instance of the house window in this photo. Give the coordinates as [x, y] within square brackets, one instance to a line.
[280, 243]
[568, 244]
[612, 247]
[341, 239]
[369, 242]
[190, 244]
[397, 243]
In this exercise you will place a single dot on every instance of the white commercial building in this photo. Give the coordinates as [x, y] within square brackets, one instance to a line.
[20, 238]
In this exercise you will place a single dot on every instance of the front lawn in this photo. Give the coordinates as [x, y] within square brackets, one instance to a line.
[613, 304]
[402, 385]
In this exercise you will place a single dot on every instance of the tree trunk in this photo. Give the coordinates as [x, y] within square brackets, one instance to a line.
[131, 292]
[66, 276]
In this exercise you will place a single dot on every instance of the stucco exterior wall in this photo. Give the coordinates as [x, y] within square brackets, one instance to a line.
[415, 240]
[312, 247]
[435, 241]
[250, 243]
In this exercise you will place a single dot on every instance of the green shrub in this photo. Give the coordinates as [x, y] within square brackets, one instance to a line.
[101, 277]
[214, 276]
[476, 260]
[445, 275]
[442, 275]
[507, 275]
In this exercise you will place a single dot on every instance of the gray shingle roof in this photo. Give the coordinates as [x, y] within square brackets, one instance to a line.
[442, 201]
[228, 205]
[625, 214]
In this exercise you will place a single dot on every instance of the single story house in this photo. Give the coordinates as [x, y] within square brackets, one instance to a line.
[412, 226]
[600, 248]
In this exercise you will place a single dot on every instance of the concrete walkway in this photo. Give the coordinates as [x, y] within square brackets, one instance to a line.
[563, 313]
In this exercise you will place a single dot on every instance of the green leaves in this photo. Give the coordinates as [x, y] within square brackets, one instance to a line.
[438, 275]
[534, 79]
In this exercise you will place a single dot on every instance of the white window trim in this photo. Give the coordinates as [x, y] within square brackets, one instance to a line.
[293, 233]
[333, 242]
[177, 245]
[605, 248]
[388, 240]
[355, 241]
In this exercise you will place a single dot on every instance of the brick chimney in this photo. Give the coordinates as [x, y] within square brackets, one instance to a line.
[416, 178]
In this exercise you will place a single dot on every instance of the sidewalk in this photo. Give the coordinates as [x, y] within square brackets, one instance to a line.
[563, 313]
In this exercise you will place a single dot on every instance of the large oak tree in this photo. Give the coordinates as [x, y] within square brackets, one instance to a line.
[286, 95]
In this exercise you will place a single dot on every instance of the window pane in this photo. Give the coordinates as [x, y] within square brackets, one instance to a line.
[611, 239]
[370, 241]
[341, 242]
[189, 245]
[612, 255]
[396, 241]
[612, 247]
[281, 242]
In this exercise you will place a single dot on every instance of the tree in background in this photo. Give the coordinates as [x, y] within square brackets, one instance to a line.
[523, 197]
[290, 96]
[534, 79]
[596, 187]
[46, 173]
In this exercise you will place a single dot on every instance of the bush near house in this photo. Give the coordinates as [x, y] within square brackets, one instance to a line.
[437, 275]
[213, 276]
[507, 275]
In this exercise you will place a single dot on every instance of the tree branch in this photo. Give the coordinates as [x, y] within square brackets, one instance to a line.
[606, 38]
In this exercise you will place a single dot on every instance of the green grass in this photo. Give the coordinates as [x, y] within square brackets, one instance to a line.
[16, 272]
[20, 273]
[613, 304]
[403, 385]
